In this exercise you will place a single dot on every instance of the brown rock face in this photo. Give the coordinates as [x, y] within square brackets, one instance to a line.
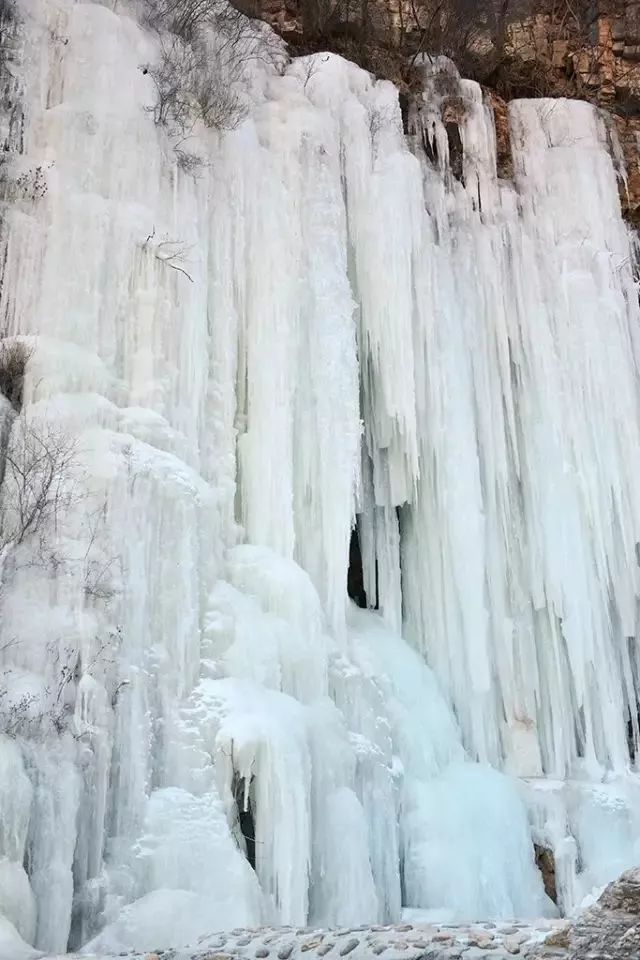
[628, 129]
[547, 867]
[503, 137]
[610, 930]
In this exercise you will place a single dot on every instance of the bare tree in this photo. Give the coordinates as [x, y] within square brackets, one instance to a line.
[379, 118]
[38, 483]
[7, 26]
[574, 17]
[199, 80]
[102, 568]
[29, 713]
[388, 39]
[182, 17]
[205, 47]
[41, 483]
[318, 16]
[173, 253]
[39, 475]
[191, 85]
[452, 28]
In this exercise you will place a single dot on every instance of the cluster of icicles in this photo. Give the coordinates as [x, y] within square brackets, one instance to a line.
[324, 327]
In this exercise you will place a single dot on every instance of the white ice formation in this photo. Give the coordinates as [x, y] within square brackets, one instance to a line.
[330, 321]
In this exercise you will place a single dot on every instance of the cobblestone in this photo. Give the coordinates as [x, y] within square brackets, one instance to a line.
[402, 941]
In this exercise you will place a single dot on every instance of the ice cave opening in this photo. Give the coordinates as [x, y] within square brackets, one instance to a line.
[355, 575]
[246, 821]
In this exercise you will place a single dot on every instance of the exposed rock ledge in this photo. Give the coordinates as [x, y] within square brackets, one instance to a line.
[610, 930]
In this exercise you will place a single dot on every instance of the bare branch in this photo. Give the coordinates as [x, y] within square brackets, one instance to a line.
[38, 480]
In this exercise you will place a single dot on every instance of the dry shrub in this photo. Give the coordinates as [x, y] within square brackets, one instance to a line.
[205, 49]
[14, 357]
[180, 17]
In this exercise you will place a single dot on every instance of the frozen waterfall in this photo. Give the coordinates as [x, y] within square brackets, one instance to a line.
[331, 325]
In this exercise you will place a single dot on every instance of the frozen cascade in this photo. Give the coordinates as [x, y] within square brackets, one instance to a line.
[332, 324]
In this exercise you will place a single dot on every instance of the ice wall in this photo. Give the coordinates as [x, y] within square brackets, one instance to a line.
[331, 322]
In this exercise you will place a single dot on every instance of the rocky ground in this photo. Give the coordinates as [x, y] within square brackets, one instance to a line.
[405, 941]
[610, 930]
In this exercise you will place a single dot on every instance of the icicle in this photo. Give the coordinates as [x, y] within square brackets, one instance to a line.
[330, 325]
